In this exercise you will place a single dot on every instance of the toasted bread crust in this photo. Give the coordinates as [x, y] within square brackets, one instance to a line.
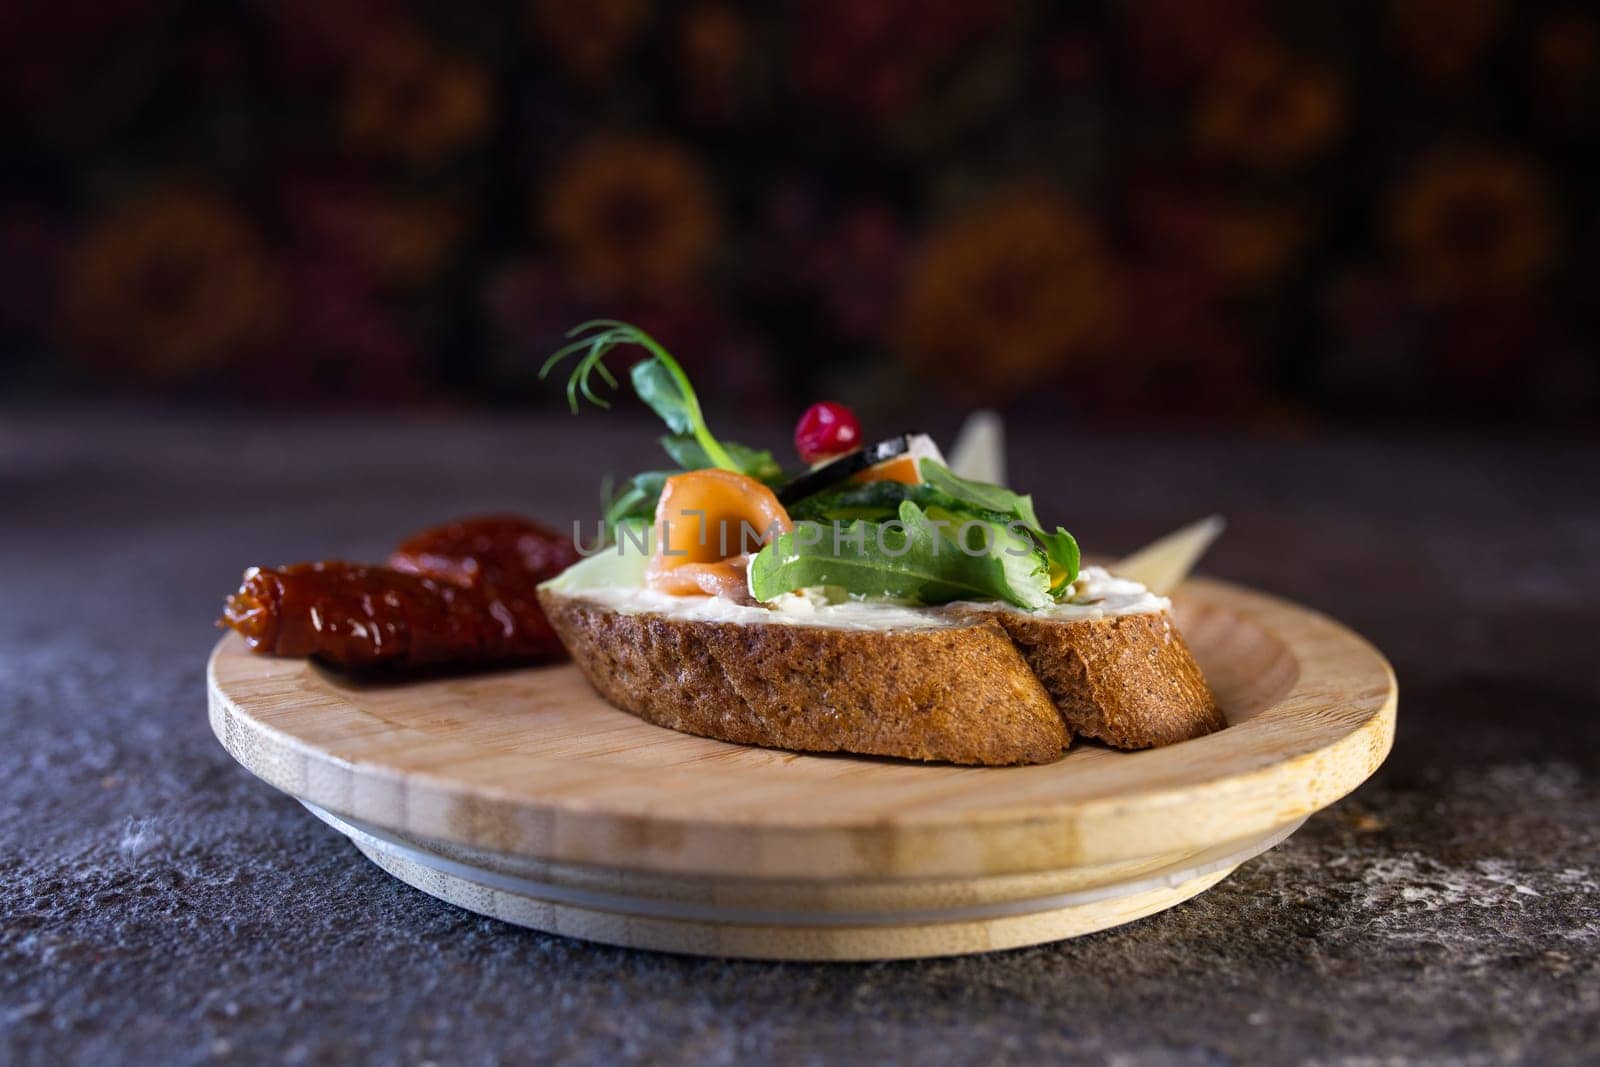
[1128, 680]
[995, 687]
[961, 694]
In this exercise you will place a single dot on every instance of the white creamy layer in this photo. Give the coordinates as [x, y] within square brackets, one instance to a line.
[791, 610]
[1097, 594]
[617, 582]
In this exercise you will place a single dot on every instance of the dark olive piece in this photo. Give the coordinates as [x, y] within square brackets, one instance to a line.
[847, 466]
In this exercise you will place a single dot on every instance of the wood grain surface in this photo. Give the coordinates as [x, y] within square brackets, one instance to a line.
[799, 920]
[532, 764]
[757, 940]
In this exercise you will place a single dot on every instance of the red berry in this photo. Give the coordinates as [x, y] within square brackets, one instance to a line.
[826, 430]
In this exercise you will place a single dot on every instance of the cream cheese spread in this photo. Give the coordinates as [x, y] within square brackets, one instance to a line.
[616, 581]
[1097, 594]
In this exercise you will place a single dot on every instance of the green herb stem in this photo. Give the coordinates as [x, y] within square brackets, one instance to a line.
[595, 339]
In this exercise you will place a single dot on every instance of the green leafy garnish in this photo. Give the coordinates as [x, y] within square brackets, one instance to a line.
[687, 453]
[948, 538]
[905, 559]
[660, 381]
[1061, 549]
[983, 496]
[636, 501]
[955, 501]
[877, 501]
[662, 384]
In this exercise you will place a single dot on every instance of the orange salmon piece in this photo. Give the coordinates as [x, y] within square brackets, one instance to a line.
[705, 523]
[901, 469]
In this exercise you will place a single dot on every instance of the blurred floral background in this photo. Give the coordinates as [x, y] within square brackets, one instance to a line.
[1200, 213]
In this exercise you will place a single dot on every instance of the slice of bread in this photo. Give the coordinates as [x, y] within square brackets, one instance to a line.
[972, 686]
[1127, 680]
[959, 693]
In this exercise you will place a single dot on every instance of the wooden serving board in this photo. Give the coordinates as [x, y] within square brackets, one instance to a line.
[523, 795]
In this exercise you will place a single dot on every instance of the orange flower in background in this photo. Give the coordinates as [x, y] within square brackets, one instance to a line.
[715, 44]
[1249, 247]
[1007, 295]
[1263, 108]
[407, 240]
[1174, 43]
[408, 100]
[713, 36]
[1241, 245]
[404, 239]
[1473, 226]
[631, 216]
[588, 38]
[1443, 39]
[1566, 73]
[167, 286]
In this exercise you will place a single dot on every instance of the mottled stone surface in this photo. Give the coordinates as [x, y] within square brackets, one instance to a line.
[157, 904]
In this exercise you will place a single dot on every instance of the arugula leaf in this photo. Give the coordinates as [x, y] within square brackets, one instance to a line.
[874, 501]
[1027, 572]
[980, 495]
[1027, 568]
[687, 453]
[908, 558]
[877, 501]
[1061, 549]
[955, 501]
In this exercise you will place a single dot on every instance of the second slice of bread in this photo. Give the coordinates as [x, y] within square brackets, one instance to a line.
[1127, 680]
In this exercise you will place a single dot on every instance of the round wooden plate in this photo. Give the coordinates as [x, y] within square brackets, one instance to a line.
[521, 794]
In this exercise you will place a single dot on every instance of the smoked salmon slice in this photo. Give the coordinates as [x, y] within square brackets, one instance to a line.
[901, 469]
[707, 524]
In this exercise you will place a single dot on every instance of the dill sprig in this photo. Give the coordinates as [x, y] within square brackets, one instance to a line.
[672, 397]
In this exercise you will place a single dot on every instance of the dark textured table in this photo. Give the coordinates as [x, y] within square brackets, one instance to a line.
[157, 904]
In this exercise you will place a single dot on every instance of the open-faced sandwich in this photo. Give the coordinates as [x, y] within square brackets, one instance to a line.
[875, 603]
